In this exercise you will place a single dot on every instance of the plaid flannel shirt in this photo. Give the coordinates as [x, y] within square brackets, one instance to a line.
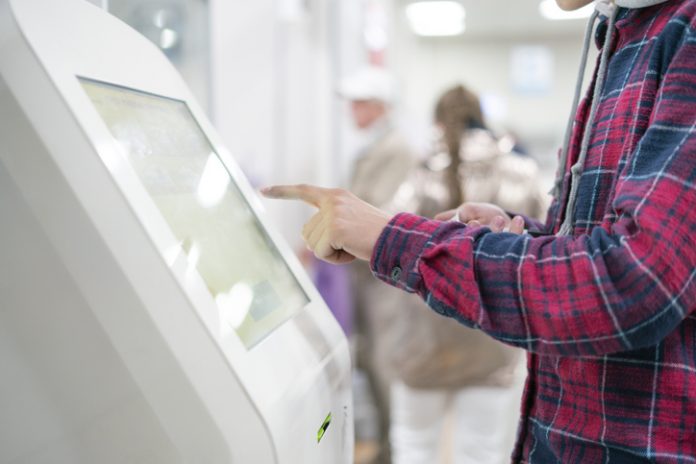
[608, 315]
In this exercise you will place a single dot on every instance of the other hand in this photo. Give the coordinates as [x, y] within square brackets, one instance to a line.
[344, 227]
[484, 214]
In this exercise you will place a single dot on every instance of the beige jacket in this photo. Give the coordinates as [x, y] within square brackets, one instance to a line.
[425, 349]
[382, 168]
[487, 176]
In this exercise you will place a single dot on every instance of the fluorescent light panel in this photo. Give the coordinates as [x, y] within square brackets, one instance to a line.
[436, 18]
[550, 10]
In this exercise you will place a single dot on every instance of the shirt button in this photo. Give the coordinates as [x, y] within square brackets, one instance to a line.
[396, 274]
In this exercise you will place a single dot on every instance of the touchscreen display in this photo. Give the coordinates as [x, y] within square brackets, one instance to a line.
[252, 285]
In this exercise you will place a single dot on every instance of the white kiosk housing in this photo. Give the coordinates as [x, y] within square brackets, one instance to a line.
[148, 314]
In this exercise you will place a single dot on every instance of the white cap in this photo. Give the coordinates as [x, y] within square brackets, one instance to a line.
[368, 83]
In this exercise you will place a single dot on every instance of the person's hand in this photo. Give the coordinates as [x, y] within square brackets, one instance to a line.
[344, 228]
[484, 214]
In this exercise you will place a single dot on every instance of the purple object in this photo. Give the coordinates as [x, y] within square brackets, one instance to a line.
[333, 283]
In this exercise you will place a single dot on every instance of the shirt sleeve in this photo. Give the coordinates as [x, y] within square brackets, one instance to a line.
[624, 286]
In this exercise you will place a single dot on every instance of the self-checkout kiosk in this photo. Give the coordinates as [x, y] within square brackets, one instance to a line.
[148, 313]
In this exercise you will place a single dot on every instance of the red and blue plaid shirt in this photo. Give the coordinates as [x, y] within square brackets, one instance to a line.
[608, 314]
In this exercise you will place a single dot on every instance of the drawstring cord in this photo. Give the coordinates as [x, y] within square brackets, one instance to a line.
[608, 8]
[556, 192]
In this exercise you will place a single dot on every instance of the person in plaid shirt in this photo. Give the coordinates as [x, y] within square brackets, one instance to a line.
[602, 296]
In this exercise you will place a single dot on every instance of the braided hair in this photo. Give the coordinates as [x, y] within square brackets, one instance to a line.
[457, 110]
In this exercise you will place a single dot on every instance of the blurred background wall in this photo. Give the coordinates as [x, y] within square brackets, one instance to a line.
[523, 66]
[266, 72]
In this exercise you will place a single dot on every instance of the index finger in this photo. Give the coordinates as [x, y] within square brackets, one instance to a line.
[307, 193]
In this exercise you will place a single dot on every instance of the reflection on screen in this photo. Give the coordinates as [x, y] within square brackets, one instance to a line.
[254, 289]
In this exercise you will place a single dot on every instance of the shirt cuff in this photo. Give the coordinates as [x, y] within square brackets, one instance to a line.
[399, 248]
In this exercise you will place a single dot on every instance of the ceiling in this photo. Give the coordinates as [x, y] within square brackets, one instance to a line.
[510, 18]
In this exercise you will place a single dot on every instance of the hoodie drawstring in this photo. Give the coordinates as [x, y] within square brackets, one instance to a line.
[556, 192]
[608, 8]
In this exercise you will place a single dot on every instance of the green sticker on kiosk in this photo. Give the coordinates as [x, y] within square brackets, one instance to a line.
[324, 426]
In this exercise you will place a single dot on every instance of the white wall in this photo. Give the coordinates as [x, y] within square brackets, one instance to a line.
[272, 80]
[243, 80]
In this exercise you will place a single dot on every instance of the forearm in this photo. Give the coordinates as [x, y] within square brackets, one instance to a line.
[568, 296]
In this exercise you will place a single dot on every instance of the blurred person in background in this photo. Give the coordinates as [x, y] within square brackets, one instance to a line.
[380, 167]
[603, 295]
[445, 372]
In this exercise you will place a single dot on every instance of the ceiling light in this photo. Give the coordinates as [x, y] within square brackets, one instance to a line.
[436, 18]
[550, 10]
